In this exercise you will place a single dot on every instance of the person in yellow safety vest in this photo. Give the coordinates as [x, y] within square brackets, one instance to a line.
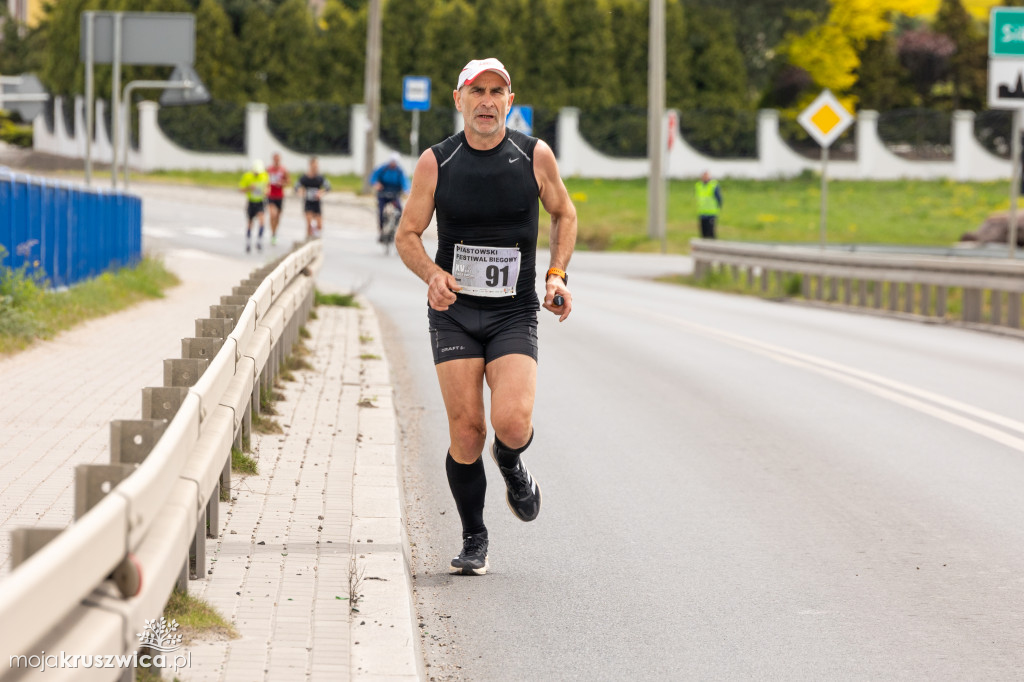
[709, 204]
[254, 185]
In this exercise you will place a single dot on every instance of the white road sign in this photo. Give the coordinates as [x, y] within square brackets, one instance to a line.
[825, 119]
[1006, 83]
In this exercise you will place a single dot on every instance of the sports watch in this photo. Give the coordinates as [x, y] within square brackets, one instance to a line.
[560, 273]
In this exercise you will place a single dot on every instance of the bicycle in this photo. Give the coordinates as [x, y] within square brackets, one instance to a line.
[392, 215]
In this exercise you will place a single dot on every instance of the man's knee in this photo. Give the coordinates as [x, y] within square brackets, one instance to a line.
[467, 439]
[513, 426]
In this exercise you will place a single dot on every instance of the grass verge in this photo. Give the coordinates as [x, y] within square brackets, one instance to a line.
[29, 310]
[342, 300]
[613, 213]
[196, 618]
[242, 463]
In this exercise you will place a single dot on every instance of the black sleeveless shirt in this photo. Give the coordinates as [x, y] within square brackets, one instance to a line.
[489, 198]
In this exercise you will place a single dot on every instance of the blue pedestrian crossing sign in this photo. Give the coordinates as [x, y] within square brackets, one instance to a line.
[416, 93]
[520, 118]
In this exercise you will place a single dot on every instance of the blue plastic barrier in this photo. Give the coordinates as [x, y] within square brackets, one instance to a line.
[67, 232]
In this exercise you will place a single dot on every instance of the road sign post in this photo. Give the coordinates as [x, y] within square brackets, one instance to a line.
[415, 98]
[1006, 91]
[825, 120]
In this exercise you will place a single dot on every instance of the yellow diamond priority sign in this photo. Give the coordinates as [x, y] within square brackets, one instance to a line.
[825, 119]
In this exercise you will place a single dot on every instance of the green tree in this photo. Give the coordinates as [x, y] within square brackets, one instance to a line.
[218, 55]
[449, 23]
[20, 47]
[61, 69]
[630, 41]
[591, 78]
[403, 46]
[256, 34]
[342, 43]
[294, 69]
[543, 80]
[967, 65]
[881, 79]
[679, 84]
[718, 73]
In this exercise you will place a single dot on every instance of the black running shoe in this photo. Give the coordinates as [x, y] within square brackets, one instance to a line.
[472, 560]
[523, 494]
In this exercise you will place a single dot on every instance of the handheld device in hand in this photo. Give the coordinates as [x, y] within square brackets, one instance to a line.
[558, 300]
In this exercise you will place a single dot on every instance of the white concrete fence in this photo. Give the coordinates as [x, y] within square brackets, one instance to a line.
[141, 522]
[776, 159]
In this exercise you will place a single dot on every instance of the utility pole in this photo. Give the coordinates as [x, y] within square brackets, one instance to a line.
[655, 114]
[371, 90]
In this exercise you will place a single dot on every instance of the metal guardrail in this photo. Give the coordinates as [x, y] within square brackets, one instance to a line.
[68, 231]
[988, 291]
[142, 520]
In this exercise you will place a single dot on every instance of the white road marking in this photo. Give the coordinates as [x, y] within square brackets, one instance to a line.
[157, 232]
[205, 232]
[927, 402]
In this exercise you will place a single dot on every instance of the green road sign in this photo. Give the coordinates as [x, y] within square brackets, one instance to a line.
[1006, 32]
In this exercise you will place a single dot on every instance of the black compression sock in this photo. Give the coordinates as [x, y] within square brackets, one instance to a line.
[506, 456]
[468, 483]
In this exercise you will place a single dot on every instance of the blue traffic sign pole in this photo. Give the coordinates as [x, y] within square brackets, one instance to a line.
[415, 98]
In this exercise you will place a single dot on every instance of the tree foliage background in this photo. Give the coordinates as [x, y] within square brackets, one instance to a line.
[725, 58]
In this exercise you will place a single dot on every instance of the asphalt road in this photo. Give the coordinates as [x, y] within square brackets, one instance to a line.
[733, 488]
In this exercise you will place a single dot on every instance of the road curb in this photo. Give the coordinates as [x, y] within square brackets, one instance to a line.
[385, 643]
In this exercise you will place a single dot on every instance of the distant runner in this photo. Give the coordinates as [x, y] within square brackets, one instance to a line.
[279, 179]
[254, 185]
[390, 182]
[313, 186]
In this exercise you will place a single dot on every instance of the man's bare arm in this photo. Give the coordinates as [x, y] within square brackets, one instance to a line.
[419, 209]
[557, 203]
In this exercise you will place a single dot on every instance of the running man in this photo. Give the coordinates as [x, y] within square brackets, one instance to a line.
[254, 185]
[279, 179]
[484, 183]
[390, 182]
[313, 186]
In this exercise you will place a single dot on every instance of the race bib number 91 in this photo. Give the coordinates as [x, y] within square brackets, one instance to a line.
[485, 270]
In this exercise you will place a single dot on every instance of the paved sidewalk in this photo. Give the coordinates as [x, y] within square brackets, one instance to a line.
[326, 505]
[319, 530]
[58, 397]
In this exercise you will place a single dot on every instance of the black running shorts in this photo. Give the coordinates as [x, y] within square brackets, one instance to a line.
[255, 208]
[276, 202]
[313, 207]
[467, 332]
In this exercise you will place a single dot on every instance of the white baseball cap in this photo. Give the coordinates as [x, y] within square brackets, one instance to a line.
[478, 66]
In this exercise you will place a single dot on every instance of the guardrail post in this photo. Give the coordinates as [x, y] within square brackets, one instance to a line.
[234, 300]
[27, 541]
[197, 553]
[862, 293]
[805, 285]
[926, 300]
[908, 301]
[131, 440]
[997, 307]
[894, 296]
[184, 372]
[182, 584]
[833, 289]
[203, 347]
[940, 301]
[162, 402]
[972, 305]
[764, 283]
[217, 327]
[94, 481]
[876, 294]
[1013, 310]
[246, 290]
[230, 312]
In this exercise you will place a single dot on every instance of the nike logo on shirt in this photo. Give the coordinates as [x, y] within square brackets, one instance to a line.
[513, 160]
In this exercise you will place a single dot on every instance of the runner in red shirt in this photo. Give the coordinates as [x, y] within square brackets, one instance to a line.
[279, 179]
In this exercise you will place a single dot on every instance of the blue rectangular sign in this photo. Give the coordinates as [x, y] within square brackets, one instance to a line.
[416, 93]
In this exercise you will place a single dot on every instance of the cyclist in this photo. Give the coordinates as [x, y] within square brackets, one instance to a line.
[390, 182]
[484, 184]
[313, 187]
[254, 185]
[279, 179]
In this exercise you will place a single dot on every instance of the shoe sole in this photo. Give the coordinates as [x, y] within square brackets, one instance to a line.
[455, 570]
[540, 498]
